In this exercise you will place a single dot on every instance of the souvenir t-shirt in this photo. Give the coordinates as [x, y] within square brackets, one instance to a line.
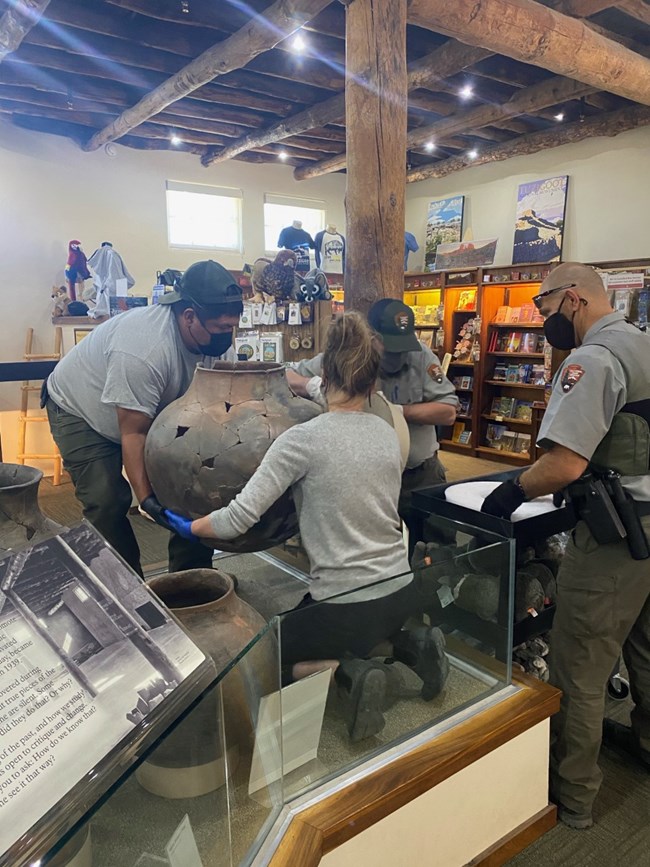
[330, 252]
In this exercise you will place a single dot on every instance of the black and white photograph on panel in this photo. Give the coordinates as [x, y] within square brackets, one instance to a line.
[86, 652]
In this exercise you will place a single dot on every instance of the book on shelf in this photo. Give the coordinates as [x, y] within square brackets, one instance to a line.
[512, 373]
[467, 300]
[514, 342]
[466, 382]
[514, 314]
[538, 374]
[508, 406]
[522, 443]
[458, 429]
[508, 441]
[465, 407]
[500, 371]
[526, 312]
[493, 342]
[465, 437]
[494, 432]
[529, 342]
[525, 372]
[523, 410]
[502, 314]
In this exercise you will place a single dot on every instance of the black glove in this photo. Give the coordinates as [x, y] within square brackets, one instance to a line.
[503, 501]
[152, 507]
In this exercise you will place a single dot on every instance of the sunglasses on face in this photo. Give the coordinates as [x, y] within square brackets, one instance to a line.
[538, 299]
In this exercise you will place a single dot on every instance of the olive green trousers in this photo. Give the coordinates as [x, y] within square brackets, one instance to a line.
[603, 609]
[95, 467]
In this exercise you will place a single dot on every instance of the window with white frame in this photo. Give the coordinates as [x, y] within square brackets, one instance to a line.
[281, 211]
[205, 217]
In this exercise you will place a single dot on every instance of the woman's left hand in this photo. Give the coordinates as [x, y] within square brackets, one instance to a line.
[180, 525]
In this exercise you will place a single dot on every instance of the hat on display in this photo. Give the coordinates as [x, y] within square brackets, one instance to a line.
[395, 323]
[206, 283]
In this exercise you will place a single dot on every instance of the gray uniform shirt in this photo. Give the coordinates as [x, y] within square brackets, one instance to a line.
[135, 360]
[420, 381]
[346, 500]
[591, 386]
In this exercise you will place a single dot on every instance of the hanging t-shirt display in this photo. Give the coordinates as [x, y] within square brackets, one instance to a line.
[292, 237]
[330, 252]
[302, 258]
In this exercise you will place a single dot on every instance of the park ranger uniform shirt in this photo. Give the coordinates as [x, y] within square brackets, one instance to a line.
[136, 360]
[421, 380]
[592, 385]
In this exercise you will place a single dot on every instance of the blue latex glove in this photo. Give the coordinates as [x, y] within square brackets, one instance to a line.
[180, 525]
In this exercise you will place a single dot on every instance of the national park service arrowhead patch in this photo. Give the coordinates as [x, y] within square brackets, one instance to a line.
[571, 375]
[435, 372]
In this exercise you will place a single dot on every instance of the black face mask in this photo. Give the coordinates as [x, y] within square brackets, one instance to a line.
[219, 343]
[559, 331]
[392, 363]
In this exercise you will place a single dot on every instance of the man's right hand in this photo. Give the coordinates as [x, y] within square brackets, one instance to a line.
[155, 511]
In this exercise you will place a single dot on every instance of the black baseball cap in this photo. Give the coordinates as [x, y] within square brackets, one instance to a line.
[395, 322]
[207, 283]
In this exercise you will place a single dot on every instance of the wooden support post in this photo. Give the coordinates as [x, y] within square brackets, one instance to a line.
[376, 107]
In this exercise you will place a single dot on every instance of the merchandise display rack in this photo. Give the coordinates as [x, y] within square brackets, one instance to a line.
[512, 286]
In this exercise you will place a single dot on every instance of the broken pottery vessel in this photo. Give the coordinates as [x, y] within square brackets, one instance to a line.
[203, 448]
[190, 761]
[21, 522]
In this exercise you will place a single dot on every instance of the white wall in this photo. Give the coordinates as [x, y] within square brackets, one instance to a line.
[51, 191]
[608, 203]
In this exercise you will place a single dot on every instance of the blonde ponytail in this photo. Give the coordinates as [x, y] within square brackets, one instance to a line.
[351, 358]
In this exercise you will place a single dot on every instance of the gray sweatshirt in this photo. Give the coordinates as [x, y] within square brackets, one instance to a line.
[344, 471]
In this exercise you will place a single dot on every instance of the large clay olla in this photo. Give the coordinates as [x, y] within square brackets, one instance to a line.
[21, 522]
[200, 753]
[203, 448]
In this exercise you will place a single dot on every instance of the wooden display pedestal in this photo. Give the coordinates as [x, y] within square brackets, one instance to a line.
[475, 794]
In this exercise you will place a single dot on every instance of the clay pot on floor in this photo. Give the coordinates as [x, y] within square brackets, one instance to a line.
[21, 521]
[203, 448]
[190, 761]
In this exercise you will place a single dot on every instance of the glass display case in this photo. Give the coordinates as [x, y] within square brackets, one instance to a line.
[274, 724]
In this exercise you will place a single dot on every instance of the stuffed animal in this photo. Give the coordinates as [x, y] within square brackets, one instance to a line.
[61, 301]
[256, 278]
[76, 270]
[314, 286]
[279, 281]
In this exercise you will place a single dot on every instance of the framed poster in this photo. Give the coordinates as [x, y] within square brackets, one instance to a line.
[465, 254]
[539, 228]
[80, 333]
[444, 225]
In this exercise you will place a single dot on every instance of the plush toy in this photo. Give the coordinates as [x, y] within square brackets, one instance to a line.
[279, 281]
[76, 270]
[256, 278]
[314, 286]
[61, 301]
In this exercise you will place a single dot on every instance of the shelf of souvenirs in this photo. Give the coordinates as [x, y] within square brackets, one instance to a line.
[504, 383]
[504, 419]
[457, 445]
[503, 453]
[517, 326]
[517, 354]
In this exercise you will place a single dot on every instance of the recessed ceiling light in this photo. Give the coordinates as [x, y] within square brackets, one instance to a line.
[466, 92]
[283, 155]
[299, 44]
[472, 154]
[559, 115]
[429, 146]
[176, 140]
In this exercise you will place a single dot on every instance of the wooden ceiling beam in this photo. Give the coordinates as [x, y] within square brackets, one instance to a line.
[538, 35]
[635, 9]
[279, 21]
[602, 125]
[582, 8]
[447, 60]
[16, 23]
[76, 82]
[526, 101]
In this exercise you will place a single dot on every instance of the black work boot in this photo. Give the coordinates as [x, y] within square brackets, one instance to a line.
[621, 738]
[423, 650]
[362, 688]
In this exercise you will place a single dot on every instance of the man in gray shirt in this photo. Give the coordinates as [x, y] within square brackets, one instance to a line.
[410, 375]
[104, 394]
